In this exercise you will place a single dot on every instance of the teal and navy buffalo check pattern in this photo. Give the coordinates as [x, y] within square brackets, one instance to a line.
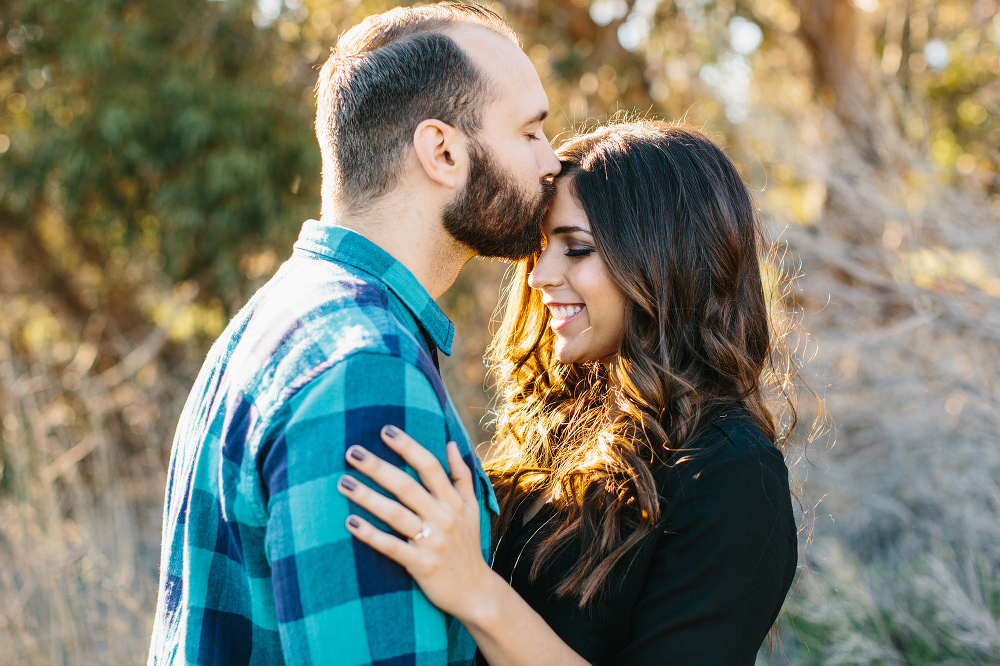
[257, 565]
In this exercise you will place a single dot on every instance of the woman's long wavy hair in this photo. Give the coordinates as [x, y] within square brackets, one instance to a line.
[678, 233]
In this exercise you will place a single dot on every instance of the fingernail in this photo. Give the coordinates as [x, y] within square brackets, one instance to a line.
[354, 522]
[390, 431]
[357, 453]
[348, 482]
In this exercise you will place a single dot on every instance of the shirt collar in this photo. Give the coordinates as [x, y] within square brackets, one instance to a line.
[349, 247]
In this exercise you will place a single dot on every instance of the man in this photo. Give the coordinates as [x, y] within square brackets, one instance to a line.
[429, 121]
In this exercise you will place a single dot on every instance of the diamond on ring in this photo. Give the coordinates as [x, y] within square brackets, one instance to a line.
[424, 532]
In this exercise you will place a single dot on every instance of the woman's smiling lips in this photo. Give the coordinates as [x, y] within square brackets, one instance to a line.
[564, 313]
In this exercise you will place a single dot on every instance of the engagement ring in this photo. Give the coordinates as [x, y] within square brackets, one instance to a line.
[425, 531]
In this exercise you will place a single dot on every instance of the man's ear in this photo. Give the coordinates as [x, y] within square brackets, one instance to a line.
[442, 151]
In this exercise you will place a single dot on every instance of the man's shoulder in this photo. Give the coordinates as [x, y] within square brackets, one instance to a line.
[314, 317]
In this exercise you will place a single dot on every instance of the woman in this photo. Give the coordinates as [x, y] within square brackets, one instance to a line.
[645, 515]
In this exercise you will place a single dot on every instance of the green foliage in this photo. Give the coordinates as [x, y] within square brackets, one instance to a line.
[177, 128]
[955, 88]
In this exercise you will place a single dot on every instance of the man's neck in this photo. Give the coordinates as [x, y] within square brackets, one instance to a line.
[414, 236]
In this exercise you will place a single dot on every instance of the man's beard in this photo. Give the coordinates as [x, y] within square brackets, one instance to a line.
[492, 215]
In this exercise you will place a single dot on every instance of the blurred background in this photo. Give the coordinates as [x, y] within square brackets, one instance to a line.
[157, 159]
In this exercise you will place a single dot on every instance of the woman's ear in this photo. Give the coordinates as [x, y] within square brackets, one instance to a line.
[442, 151]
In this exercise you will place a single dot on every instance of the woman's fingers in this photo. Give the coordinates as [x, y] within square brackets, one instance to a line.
[461, 475]
[391, 512]
[423, 461]
[406, 489]
[392, 547]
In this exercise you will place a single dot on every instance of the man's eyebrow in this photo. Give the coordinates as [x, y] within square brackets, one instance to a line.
[569, 230]
[538, 117]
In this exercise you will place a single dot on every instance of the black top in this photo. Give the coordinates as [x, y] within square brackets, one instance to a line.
[705, 588]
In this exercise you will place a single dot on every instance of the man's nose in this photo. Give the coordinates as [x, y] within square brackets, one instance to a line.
[548, 163]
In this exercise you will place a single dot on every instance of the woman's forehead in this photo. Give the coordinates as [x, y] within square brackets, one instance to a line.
[566, 215]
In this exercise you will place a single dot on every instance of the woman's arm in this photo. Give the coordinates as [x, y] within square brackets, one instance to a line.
[723, 563]
[443, 555]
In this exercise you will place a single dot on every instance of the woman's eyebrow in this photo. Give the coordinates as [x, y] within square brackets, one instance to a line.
[569, 230]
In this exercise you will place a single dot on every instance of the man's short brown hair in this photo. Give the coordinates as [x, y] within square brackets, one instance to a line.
[387, 75]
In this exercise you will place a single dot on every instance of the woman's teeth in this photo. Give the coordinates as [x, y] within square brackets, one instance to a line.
[565, 311]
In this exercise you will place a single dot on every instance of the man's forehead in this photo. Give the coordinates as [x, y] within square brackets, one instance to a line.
[503, 62]
[481, 42]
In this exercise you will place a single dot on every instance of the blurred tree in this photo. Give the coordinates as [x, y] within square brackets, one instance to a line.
[176, 129]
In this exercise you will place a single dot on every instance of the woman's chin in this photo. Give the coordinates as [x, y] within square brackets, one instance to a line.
[564, 355]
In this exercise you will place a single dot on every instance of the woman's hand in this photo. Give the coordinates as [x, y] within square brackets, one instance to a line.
[443, 553]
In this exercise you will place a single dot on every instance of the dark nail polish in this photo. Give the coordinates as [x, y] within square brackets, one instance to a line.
[390, 431]
[354, 522]
[357, 453]
[348, 482]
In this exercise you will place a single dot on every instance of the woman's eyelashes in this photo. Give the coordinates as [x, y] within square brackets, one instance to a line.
[579, 251]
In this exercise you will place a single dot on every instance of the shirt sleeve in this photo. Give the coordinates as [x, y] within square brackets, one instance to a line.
[723, 564]
[337, 601]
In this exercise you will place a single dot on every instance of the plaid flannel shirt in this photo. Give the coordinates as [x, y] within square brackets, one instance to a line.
[257, 566]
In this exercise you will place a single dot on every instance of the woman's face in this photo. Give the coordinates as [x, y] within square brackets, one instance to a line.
[587, 308]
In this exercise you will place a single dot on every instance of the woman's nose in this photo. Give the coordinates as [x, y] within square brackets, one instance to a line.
[544, 274]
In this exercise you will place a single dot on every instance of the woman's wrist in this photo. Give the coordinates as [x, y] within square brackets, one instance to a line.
[508, 631]
[485, 602]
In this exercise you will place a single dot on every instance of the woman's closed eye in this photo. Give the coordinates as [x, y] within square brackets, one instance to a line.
[579, 251]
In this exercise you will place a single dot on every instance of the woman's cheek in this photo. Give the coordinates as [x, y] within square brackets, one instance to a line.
[611, 328]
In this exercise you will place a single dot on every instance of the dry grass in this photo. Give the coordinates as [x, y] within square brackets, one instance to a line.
[903, 564]
[86, 415]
